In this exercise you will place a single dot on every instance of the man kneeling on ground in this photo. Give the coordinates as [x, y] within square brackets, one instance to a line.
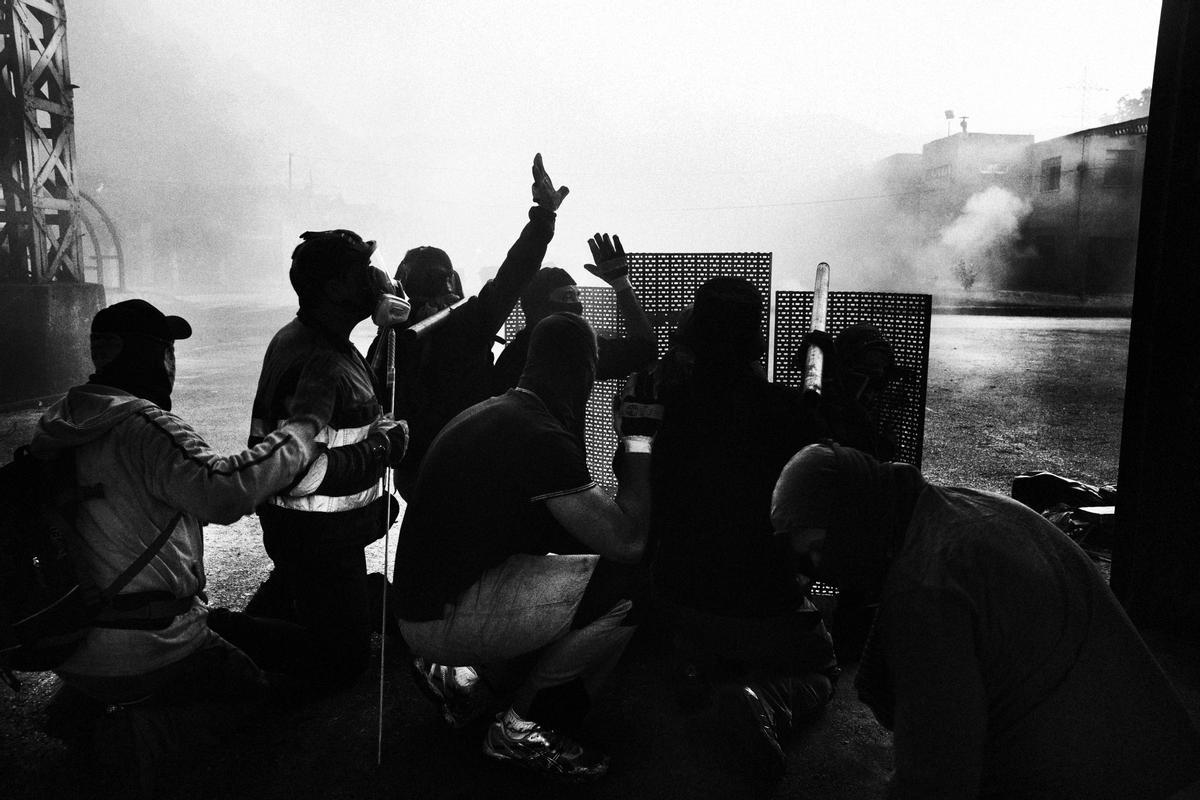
[999, 658]
[510, 552]
[153, 644]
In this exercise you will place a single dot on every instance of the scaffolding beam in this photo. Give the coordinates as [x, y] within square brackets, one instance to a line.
[41, 223]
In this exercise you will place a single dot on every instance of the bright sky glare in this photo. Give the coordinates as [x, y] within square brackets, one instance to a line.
[679, 125]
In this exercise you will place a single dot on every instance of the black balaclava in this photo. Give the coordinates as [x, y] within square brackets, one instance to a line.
[864, 506]
[129, 347]
[535, 300]
[724, 328]
[561, 366]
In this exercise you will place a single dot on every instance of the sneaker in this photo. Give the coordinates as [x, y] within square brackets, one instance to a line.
[754, 725]
[459, 692]
[543, 750]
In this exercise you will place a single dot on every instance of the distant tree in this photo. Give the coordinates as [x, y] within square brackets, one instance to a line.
[1129, 108]
[965, 272]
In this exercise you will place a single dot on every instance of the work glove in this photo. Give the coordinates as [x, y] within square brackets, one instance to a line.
[611, 265]
[393, 433]
[637, 413]
[821, 340]
[544, 193]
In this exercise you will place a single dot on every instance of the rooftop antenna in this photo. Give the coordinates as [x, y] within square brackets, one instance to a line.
[1084, 87]
[949, 116]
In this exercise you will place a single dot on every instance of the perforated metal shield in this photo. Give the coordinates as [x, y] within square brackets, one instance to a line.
[665, 284]
[902, 319]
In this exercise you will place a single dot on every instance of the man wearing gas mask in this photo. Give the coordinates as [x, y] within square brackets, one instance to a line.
[311, 616]
[553, 290]
[999, 658]
[448, 367]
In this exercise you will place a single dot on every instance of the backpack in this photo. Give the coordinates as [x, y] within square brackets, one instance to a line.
[47, 604]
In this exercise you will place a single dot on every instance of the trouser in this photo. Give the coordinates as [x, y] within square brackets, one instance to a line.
[133, 724]
[571, 616]
[310, 618]
[787, 659]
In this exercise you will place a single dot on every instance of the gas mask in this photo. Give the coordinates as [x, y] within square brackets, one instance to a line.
[389, 306]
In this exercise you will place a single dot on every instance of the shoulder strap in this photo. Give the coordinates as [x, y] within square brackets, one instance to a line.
[141, 561]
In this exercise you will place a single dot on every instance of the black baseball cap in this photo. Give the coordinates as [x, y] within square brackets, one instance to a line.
[139, 318]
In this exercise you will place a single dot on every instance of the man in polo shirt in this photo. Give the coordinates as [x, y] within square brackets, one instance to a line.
[509, 550]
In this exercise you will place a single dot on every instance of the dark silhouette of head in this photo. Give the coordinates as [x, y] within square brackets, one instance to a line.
[133, 349]
[334, 268]
[725, 324]
[550, 291]
[429, 279]
[561, 365]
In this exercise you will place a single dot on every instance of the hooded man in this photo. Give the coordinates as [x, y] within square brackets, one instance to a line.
[158, 475]
[999, 658]
[509, 550]
[311, 617]
[448, 367]
[553, 290]
[739, 619]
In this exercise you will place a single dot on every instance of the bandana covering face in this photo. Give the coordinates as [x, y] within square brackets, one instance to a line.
[561, 365]
[140, 369]
[864, 506]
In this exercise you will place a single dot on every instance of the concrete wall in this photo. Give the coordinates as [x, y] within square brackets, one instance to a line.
[45, 328]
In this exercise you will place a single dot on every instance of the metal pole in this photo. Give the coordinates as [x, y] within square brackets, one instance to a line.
[390, 391]
[815, 363]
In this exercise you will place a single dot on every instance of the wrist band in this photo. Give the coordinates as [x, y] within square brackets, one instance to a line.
[621, 284]
[637, 444]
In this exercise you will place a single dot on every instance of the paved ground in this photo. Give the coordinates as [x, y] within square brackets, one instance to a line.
[1005, 395]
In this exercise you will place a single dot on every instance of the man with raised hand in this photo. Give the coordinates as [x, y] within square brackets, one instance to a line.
[510, 554]
[449, 368]
[553, 290]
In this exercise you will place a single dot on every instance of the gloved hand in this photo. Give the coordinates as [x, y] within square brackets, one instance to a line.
[821, 340]
[636, 411]
[394, 432]
[611, 265]
[544, 193]
[315, 395]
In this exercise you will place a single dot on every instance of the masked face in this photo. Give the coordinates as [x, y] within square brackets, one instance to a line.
[564, 298]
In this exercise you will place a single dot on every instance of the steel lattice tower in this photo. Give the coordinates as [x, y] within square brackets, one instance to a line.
[40, 227]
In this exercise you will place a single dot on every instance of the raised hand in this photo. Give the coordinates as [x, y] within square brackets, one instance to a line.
[544, 193]
[611, 265]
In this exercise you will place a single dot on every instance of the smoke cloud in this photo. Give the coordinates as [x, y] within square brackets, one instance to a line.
[983, 239]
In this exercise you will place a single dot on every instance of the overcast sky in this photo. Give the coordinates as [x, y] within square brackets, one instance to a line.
[678, 125]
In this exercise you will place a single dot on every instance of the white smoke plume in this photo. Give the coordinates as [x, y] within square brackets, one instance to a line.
[984, 238]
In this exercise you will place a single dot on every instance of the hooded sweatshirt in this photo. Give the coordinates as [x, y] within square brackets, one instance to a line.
[151, 465]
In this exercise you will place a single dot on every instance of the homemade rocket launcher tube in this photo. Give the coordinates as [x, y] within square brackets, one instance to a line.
[429, 324]
[814, 365]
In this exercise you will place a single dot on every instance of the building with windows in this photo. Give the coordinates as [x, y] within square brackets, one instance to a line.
[1086, 195]
[1082, 193]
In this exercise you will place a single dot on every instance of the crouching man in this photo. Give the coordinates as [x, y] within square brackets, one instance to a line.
[509, 549]
[159, 479]
[999, 658]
